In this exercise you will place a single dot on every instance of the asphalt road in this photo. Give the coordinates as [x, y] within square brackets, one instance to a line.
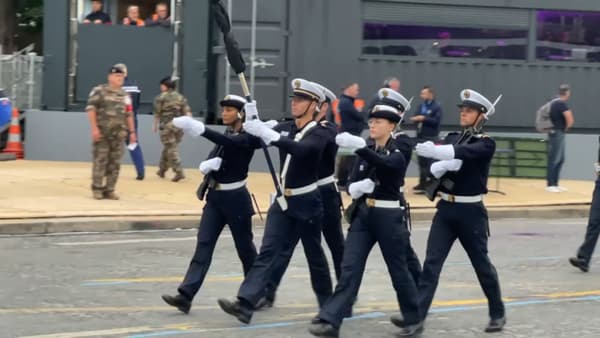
[109, 285]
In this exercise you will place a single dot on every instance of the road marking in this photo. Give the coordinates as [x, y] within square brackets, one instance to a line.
[81, 334]
[128, 241]
[168, 279]
[591, 294]
[438, 307]
[239, 277]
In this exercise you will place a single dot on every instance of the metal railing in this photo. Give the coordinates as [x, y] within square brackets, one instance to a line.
[21, 77]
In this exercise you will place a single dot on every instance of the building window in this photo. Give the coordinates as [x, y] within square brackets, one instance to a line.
[440, 41]
[568, 36]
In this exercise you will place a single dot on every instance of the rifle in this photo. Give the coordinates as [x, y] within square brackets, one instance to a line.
[433, 184]
[352, 208]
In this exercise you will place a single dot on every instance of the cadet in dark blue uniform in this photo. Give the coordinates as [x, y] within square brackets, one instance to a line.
[298, 213]
[137, 157]
[584, 254]
[377, 218]
[227, 201]
[461, 214]
[405, 144]
[332, 202]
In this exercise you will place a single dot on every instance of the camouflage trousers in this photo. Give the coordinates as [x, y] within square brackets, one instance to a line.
[170, 137]
[107, 153]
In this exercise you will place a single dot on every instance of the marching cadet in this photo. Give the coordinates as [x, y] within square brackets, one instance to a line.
[110, 114]
[298, 212]
[168, 105]
[584, 254]
[227, 201]
[376, 217]
[405, 144]
[332, 202]
[461, 215]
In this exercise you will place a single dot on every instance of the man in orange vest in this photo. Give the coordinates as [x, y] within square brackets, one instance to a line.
[133, 17]
[160, 17]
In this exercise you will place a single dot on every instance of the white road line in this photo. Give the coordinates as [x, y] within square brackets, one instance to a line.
[100, 333]
[128, 241]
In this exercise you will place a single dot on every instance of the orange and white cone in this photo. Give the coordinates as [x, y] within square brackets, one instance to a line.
[14, 145]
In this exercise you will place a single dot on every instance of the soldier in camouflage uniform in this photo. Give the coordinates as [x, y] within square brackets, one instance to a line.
[168, 105]
[110, 113]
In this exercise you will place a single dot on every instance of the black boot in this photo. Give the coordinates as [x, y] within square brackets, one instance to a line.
[324, 329]
[180, 302]
[579, 263]
[398, 320]
[496, 325]
[264, 303]
[243, 313]
[410, 329]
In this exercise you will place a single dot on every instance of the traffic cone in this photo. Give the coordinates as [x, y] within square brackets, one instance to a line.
[14, 145]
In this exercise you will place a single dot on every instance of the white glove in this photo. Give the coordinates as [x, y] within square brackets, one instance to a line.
[270, 124]
[453, 165]
[430, 150]
[359, 188]
[189, 125]
[438, 169]
[597, 167]
[347, 140]
[212, 164]
[251, 111]
[258, 129]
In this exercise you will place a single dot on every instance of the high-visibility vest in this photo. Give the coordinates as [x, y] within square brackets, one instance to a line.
[359, 104]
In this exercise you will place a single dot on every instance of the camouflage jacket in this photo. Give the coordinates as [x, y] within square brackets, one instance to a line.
[169, 105]
[111, 106]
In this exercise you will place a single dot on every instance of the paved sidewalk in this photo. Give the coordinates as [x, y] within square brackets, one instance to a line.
[51, 195]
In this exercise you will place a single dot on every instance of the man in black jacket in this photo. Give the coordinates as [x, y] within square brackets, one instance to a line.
[353, 122]
[427, 118]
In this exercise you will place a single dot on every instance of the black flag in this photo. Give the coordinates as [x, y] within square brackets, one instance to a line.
[231, 45]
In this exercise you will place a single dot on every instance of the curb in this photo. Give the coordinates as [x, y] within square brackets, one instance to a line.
[136, 223]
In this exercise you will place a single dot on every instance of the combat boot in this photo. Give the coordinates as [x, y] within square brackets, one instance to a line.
[110, 195]
[98, 195]
[160, 173]
[178, 177]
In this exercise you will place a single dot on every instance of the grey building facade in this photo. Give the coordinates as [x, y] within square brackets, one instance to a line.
[522, 49]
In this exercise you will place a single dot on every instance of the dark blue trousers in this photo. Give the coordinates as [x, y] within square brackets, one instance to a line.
[467, 222]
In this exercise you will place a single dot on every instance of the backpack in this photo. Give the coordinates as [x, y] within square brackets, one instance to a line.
[542, 117]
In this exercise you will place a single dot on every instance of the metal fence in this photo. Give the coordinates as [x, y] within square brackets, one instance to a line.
[21, 77]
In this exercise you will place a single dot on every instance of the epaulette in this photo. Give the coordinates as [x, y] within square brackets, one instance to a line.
[481, 135]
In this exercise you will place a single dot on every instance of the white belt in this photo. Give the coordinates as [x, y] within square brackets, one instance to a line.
[299, 191]
[230, 186]
[401, 189]
[460, 199]
[326, 180]
[373, 203]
